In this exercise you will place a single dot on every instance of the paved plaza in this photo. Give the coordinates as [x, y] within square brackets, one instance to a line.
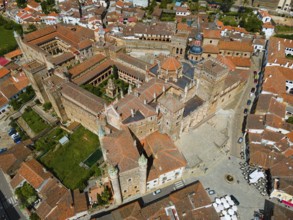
[206, 149]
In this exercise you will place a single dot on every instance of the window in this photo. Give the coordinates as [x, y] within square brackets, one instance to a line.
[125, 191]
[135, 187]
[129, 180]
[211, 41]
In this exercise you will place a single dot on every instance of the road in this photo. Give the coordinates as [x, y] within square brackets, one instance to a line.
[7, 200]
[236, 125]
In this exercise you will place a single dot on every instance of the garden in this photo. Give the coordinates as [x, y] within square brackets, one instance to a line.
[100, 90]
[66, 162]
[7, 40]
[34, 121]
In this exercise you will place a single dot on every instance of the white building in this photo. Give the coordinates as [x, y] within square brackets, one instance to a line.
[141, 3]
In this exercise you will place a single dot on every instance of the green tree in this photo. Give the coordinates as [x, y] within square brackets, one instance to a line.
[115, 72]
[252, 23]
[21, 3]
[106, 195]
[47, 106]
[164, 4]
[34, 216]
[226, 5]
[32, 27]
[290, 120]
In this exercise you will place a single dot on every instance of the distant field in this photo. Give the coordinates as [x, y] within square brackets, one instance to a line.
[7, 41]
[65, 160]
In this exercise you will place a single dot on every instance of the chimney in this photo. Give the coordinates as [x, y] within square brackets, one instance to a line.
[134, 143]
[145, 101]
[155, 96]
[132, 112]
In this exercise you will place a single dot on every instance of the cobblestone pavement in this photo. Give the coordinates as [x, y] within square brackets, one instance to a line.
[5, 140]
[249, 198]
[206, 147]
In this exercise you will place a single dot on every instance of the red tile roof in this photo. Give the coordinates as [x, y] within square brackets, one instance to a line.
[171, 64]
[164, 151]
[235, 46]
[213, 34]
[120, 150]
[13, 54]
[34, 173]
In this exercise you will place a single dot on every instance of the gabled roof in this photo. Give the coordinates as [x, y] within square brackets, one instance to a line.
[235, 46]
[120, 150]
[212, 34]
[166, 155]
[34, 173]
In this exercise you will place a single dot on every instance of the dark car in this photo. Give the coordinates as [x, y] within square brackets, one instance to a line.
[2, 150]
[252, 90]
[245, 111]
[17, 140]
[248, 102]
[255, 80]
[234, 200]
[254, 72]
[11, 131]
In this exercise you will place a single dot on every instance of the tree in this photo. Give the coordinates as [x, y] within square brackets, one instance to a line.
[21, 3]
[252, 23]
[32, 27]
[226, 5]
[290, 120]
[34, 216]
[115, 72]
[47, 106]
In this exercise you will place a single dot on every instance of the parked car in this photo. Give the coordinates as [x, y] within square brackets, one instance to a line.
[254, 72]
[11, 131]
[156, 192]
[14, 135]
[212, 192]
[240, 140]
[252, 90]
[245, 111]
[234, 200]
[255, 80]
[17, 140]
[248, 102]
[2, 150]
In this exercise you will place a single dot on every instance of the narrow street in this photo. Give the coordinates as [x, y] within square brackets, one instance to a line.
[238, 117]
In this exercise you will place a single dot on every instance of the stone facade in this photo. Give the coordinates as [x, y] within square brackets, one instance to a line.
[37, 72]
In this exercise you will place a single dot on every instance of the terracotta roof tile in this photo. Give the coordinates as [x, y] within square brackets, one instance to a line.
[34, 173]
[235, 46]
[120, 150]
[164, 151]
[16, 181]
[213, 34]
[83, 98]
[276, 48]
[171, 64]
[80, 201]
[86, 65]
[13, 54]
[4, 72]
[210, 49]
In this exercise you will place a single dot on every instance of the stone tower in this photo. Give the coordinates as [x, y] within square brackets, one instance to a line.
[111, 90]
[113, 173]
[143, 162]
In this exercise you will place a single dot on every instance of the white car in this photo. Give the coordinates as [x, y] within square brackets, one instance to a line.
[14, 135]
[156, 192]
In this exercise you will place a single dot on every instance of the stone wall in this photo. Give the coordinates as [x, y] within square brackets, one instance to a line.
[77, 113]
